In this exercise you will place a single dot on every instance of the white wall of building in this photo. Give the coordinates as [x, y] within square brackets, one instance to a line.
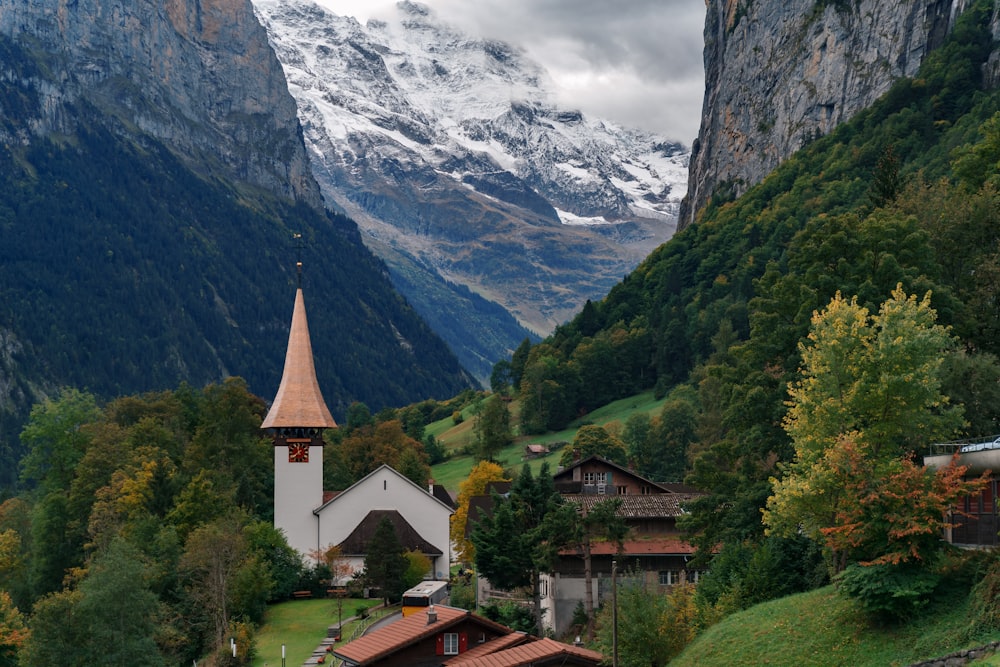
[298, 490]
[386, 489]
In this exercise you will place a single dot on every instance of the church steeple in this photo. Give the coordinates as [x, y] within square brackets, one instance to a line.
[299, 402]
[296, 422]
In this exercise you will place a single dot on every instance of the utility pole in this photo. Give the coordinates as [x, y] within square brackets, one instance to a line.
[614, 613]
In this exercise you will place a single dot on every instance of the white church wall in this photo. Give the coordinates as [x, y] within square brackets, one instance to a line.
[298, 490]
[386, 489]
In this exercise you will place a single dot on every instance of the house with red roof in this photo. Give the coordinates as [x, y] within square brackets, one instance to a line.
[443, 636]
[654, 550]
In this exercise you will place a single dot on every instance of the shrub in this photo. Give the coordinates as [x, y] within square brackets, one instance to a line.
[463, 596]
[888, 593]
[986, 598]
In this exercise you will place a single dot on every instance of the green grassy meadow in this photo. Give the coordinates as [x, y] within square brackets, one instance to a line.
[456, 437]
[822, 628]
[300, 625]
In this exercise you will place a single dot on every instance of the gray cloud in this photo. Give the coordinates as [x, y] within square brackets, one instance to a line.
[634, 62]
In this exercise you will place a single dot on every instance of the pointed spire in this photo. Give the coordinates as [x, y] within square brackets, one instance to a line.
[299, 402]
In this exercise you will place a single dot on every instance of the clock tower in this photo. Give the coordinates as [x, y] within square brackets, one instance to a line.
[296, 421]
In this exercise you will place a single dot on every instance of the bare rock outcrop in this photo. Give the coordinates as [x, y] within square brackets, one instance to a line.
[197, 74]
[779, 73]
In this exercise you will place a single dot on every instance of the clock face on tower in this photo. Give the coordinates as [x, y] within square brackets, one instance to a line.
[298, 452]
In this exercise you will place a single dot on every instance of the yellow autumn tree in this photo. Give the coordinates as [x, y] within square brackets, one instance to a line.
[867, 381]
[480, 477]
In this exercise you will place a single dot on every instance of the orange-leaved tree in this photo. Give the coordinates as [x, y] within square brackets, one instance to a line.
[479, 479]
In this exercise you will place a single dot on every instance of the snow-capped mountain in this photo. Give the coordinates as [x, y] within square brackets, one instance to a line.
[450, 154]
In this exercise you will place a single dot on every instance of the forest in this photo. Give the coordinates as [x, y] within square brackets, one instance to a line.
[125, 269]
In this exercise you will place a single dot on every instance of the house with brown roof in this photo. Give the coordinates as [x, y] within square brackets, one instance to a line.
[654, 550]
[446, 636]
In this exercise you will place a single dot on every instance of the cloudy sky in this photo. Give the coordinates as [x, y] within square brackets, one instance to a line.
[635, 62]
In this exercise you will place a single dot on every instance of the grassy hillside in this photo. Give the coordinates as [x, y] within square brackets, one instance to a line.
[457, 438]
[823, 628]
[300, 626]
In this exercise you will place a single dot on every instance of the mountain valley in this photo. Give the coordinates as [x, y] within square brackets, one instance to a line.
[460, 171]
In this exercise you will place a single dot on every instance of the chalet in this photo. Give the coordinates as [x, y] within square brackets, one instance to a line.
[654, 550]
[447, 636]
[312, 520]
[597, 475]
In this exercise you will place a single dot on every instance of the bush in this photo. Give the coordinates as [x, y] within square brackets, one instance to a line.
[511, 614]
[889, 593]
[463, 596]
[986, 599]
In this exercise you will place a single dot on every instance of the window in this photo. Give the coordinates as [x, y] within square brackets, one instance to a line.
[451, 643]
[670, 577]
[622, 490]
[595, 478]
[645, 489]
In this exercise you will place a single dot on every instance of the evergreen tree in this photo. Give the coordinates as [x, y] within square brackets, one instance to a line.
[521, 538]
[386, 563]
[119, 611]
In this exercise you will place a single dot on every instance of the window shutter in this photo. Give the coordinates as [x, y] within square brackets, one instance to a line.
[463, 642]
[440, 644]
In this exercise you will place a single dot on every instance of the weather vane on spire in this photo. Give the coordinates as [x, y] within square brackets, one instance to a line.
[297, 237]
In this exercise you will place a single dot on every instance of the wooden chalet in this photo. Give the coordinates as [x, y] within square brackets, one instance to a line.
[654, 550]
[446, 636]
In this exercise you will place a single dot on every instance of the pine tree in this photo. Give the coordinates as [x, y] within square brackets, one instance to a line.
[386, 562]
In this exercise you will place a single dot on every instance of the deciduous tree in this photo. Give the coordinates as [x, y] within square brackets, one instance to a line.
[13, 632]
[480, 477]
[869, 388]
[492, 427]
[594, 440]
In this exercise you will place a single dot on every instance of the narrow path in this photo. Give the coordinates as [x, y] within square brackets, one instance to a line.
[322, 655]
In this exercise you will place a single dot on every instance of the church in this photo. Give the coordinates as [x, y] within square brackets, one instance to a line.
[313, 520]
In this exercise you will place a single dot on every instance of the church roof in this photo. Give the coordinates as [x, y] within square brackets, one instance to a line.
[357, 542]
[299, 402]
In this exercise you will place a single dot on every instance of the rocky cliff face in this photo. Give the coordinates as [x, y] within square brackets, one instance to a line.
[197, 74]
[781, 72]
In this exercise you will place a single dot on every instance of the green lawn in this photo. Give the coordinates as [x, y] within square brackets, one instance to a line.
[453, 471]
[300, 625]
[822, 628]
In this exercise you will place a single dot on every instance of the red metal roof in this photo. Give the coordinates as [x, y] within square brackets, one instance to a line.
[498, 644]
[527, 654]
[408, 630]
[654, 546]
